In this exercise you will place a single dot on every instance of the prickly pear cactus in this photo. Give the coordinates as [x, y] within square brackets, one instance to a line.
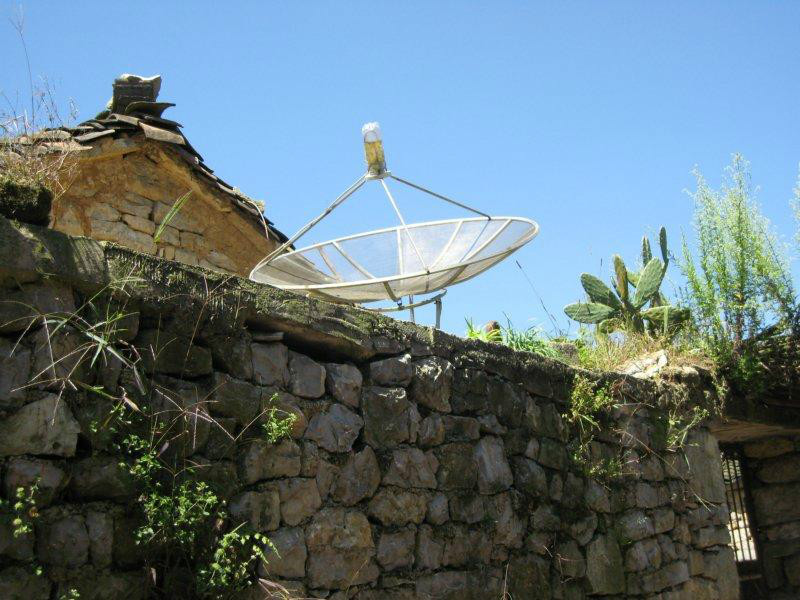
[618, 308]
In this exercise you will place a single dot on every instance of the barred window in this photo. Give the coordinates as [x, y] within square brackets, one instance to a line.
[740, 525]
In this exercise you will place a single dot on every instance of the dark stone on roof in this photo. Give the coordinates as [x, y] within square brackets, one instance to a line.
[134, 110]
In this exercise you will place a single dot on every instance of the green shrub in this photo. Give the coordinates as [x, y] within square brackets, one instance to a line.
[739, 285]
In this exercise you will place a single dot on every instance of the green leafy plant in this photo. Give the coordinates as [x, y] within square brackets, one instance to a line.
[277, 427]
[236, 555]
[739, 285]
[588, 403]
[626, 307]
[22, 510]
[484, 334]
[525, 340]
[681, 422]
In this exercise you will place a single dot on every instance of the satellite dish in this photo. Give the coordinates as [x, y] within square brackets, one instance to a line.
[401, 261]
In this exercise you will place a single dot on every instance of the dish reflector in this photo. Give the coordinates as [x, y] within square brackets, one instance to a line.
[398, 261]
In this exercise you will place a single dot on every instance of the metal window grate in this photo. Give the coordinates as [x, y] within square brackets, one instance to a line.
[740, 525]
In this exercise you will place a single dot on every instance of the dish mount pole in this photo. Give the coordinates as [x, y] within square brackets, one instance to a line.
[376, 170]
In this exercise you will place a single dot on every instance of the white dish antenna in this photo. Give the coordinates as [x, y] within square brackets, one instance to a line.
[402, 261]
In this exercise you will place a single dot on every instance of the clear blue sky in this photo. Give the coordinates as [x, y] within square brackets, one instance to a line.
[585, 116]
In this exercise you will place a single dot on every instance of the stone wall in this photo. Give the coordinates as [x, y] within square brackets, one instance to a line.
[774, 473]
[420, 466]
[121, 190]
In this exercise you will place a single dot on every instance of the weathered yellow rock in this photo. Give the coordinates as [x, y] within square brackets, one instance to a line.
[123, 188]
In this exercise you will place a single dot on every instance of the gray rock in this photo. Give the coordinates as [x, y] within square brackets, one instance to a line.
[327, 474]
[583, 529]
[529, 577]
[395, 371]
[663, 520]
[642, 555]
[23, 305]
[721, 566]
[396, 550]
[15, 366]
[465, 545]
[570, 561]
[171, 354]
[343, 382]
[234, 398]
[529, 477]
[769, 448]
[262, 460]
[410, 468]
[432, 383]
[646, 495]
[438, 511]
[457, 468]
[63, 541]
[545, 518]
[233, 354]
[306, 377]
[309, 460]
[705, 479]
[358, 479]
[100, 528]
[18, 583]
[260, 509]
[777, 503]
[288, 559]
[596, 497]
[336, 429]
[552, 454]
[270, 364]
[221, 438]
[461, 429]
[494, 473]
[490, 424]
[467, 508]
[635, 525]
[669, 576]
[101, 478]
[431, 431]
[397, 507]
[508, 401]
[340, 550]
[604, 571]
[389, 418]
[780, 470]
[711, 536]
[429, 549]
[48, 476]
[45, 426]
[299, 499]
[509, 528]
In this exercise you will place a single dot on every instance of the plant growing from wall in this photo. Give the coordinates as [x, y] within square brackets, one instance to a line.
[192, 546]
[588, 405]
[636, 304]
[525, 340]
[739, 285]
[21, 511]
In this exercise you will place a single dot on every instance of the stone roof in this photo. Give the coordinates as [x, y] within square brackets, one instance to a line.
[133, 116]
[167, 132]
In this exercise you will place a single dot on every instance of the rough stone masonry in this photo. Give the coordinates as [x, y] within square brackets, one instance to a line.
[421, 466]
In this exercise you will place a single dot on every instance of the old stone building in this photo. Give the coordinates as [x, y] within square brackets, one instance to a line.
[129, 167]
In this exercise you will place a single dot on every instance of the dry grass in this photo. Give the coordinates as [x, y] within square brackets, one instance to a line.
[611, 353]
[33, 150]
